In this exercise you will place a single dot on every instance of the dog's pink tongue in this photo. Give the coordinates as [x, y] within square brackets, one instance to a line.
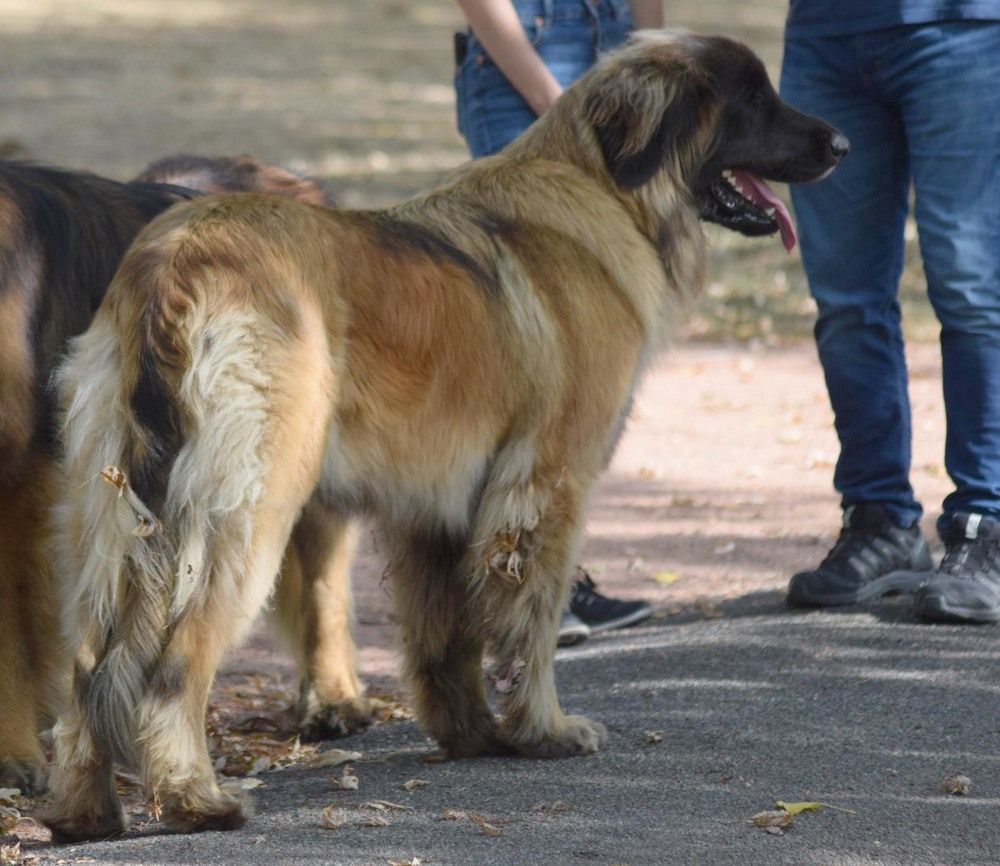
[754, 188]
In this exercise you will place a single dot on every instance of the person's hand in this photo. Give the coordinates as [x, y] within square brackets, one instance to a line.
[496, 25]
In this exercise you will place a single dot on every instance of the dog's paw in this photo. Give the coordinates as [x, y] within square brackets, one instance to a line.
[228, 808]
[480, 740]
[577, 735]
[87, 825]
[336, 719]
[27, 775]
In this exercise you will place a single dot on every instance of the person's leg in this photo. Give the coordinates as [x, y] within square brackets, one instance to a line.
[947, 87]
[951, 105]
[851, 232]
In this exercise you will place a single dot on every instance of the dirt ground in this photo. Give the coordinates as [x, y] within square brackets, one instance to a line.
[721, 487]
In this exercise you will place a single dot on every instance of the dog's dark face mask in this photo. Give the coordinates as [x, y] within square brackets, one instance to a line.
[754, 137]
[758, 137]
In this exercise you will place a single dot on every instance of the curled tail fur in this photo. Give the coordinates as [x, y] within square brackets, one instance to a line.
[180, 451]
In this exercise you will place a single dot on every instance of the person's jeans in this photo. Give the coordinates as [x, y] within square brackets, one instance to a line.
[918, 103]
[567, 34]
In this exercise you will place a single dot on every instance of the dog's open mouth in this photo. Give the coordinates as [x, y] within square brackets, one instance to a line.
[741, 201]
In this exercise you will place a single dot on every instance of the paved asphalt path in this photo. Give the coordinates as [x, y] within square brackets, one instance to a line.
[864, 711]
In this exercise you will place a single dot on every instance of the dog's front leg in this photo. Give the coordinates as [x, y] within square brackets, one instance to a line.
[443, 641]
[523, 587]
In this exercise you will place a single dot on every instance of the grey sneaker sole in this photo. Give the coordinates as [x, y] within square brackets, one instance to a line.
[937, 609]
[572, 633]
[636, 616]
[895, 582]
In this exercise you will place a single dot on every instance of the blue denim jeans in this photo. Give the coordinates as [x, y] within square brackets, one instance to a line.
[567, 34]
[919, 104]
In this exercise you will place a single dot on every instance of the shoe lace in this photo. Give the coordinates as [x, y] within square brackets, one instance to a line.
[971, 558]
[852, 543]
[585, 593]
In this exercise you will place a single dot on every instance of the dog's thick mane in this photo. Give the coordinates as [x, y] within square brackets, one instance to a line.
[576, 155]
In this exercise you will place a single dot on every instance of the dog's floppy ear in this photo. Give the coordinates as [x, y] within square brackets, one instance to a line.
[644, 116]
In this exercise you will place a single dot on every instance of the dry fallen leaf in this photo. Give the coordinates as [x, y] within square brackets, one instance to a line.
[148, 524]
[347, 781]
[375, 821]
[10, 854]
[331, 758]
[8, 818]
[413, 784]
[777, 818]
[334, 818]
[795, 808]
[10, 796]
[385, 806]
[453, 815]
[485, 827]
[416, 861]
[505, 681]
[957, 785]
[252, 782]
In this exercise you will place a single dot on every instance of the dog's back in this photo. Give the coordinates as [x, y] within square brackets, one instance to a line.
[62, 235]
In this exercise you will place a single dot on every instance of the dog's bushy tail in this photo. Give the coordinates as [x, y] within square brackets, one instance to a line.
[161, 444]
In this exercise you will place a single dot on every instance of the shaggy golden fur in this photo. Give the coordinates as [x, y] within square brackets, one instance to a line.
[62, 234]
[459, 367]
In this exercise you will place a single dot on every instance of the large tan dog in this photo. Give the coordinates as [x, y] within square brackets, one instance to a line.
[459, 367]
[62, 235]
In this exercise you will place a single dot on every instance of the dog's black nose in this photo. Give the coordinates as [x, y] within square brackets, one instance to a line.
[839, 144]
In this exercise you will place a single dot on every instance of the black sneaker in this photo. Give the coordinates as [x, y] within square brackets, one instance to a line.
[571, 630]
[966, 585]
[872, 557]
[601, 613]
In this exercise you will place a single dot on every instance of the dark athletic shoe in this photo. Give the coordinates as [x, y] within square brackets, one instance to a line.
[872, 557]
[966, 586]
[601, 613]
[571, 630]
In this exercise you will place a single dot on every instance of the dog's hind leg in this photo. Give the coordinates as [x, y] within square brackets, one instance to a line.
[531, 533]
[313, 608]
[85, 800]
[34, 662]
[236, 562]
[443, 645]
[171, 716]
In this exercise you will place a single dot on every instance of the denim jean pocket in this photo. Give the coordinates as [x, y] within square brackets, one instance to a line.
[534, 19]
[535, 30]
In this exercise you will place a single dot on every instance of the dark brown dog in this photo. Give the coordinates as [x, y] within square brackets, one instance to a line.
[62, 235]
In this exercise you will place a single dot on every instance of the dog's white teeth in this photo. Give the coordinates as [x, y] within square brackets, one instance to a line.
[771, 211]
[728, 175]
